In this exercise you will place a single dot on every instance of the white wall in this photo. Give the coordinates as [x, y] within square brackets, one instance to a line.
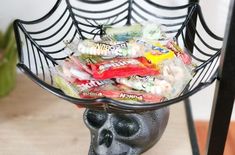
[215, 13]
[23, 9]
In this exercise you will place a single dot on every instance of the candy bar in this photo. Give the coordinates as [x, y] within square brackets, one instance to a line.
[120, 67]
[124, 33]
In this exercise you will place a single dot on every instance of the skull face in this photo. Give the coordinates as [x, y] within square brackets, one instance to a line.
[124, 134]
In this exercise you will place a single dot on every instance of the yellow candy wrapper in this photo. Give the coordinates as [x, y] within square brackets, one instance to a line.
[158, 54]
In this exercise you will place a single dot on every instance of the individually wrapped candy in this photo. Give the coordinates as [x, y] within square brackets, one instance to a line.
[83, 60]
[124, 33]
[183, 55]
[153, 31]
[65, 76]
[67, 87]
[147, 68]
[84, 85]
[158, 53]
[110, 48]
[149, 84]
[170, 83]
[120, 92]
[177, 74]
[121, 67]
[73, 71]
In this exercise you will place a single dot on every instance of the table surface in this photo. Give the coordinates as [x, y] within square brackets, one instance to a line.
[33, 121]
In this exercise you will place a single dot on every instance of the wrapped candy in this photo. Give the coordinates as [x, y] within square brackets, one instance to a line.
[179, 52]
[172, 80]
[110, 49]
[177, 74]
[149, 84]
[118, 92]
[67, 87]
[73, 71]
[153, 31]
[88, 84]
[78, 78]
[134, 64]
[83, 60]
[158, 53]
[124, 33]
[121, 67]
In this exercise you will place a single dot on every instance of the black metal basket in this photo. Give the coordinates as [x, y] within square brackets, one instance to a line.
[40, 42]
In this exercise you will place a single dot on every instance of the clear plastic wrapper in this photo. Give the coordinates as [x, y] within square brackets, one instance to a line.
[124, 33]
[67, 87]
[147, 67]
[170, 83]
[110, 48]
[120, 92]
[153, 31]
[182, 54]
[72, 71]
[149, 84]
[177, 74]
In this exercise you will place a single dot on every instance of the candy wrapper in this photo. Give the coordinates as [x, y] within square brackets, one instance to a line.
[149, 84]
[122, 93]
[88, 84]
[134, 64]
[83, 60]
[124, 33]
[153, 31]
[183, 55]
[67, 87]
[79, 79]
[177, 74]
[72, 71]
[110, 48]
[148, 31]
[158, 54]
[121, 67]
[170, 83]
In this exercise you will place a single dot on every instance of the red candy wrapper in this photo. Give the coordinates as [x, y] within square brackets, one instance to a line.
[82, 66]
[121, 92]
[89, 84]
[179, 52]
[121, 67]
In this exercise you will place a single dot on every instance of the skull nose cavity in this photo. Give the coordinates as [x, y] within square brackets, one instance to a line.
[106, 138]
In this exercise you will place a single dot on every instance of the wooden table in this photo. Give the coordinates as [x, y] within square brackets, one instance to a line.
[35, 122]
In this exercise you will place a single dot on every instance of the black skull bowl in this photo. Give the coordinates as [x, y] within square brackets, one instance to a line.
[124, 134]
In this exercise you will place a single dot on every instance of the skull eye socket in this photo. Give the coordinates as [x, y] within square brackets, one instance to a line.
[126, 127]
[96, 118]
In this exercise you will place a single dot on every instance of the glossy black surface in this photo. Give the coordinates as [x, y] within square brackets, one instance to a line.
[225, 91]
[126, 126]
[96, 118]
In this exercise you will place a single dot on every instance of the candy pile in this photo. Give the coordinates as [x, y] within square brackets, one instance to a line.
[133, 63]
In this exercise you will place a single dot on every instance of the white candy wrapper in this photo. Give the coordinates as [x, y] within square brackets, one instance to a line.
[170, 83]
[110, 49]
[153, 31]
[175, 72]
